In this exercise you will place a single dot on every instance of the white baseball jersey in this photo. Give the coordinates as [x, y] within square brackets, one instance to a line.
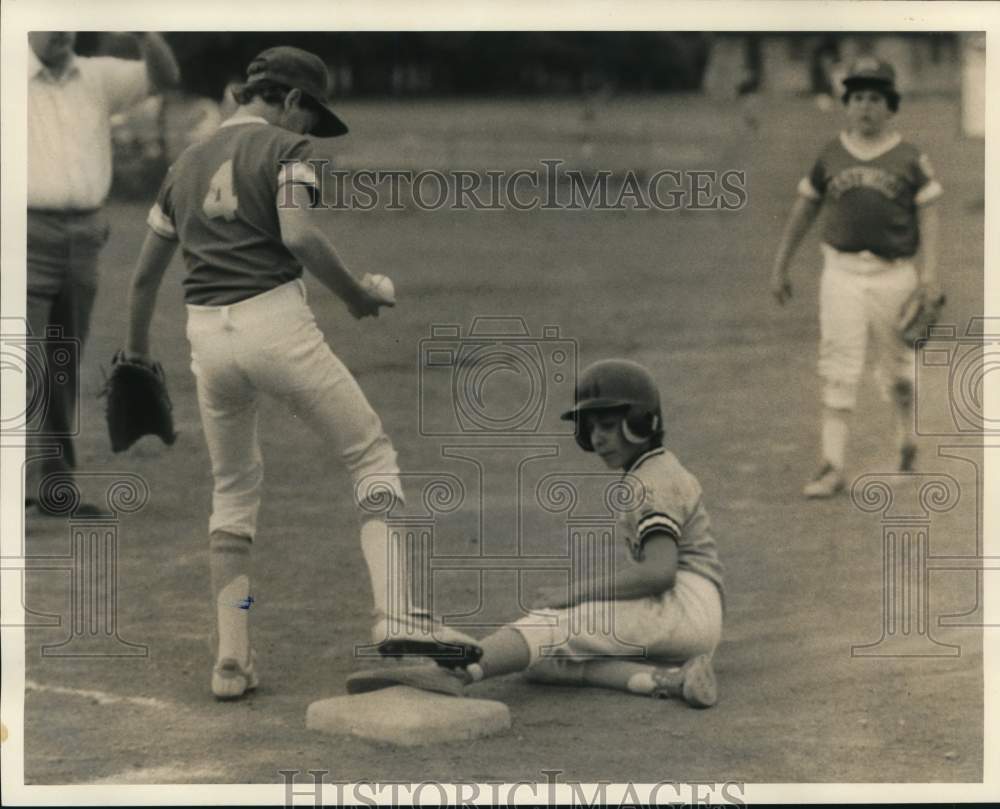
[671, 501]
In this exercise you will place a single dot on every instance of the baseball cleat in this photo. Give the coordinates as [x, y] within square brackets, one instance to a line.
[230, 680]
[828, 482]
[418, 633]
[694, 682]
[907, 457]
[426, 677]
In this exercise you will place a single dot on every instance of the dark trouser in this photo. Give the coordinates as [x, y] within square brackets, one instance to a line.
[63, 249]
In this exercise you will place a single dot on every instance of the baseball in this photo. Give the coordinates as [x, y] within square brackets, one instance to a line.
[379, 285]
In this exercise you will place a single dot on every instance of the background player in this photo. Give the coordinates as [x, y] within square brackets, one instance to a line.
[667, 603]
[238, 205]
[877, 190]
[70, 102]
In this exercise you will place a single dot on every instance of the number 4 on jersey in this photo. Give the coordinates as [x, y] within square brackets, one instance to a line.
[220, 201]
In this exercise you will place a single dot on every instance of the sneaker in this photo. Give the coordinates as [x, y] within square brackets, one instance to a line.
[828, 482]
[230, 680]
[418, 633]
[694, 682]
[426, 677]
[907, 457]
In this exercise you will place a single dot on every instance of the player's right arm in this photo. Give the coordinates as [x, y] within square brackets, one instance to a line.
[312, 248]
[803, 214]
[154, 258]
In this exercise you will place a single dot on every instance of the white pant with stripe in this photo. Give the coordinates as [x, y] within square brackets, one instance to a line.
[683, 622]
[270, 344]
[860, 299]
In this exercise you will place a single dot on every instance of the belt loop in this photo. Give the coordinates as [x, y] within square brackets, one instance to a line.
[227, 322]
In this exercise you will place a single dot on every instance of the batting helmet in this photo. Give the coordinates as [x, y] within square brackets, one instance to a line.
[618, 385]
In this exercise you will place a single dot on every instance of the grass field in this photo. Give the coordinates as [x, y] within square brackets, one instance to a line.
[683, 292]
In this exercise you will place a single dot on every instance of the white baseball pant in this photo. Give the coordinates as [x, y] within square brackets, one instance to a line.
[675, 626]
[861, 295]
[270, 343]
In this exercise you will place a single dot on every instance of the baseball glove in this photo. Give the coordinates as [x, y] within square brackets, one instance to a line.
[920, 311]
[137, 403]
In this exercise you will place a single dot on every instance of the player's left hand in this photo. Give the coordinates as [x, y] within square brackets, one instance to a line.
[364, 304]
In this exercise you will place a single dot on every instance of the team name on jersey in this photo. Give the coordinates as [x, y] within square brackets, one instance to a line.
[889, 185]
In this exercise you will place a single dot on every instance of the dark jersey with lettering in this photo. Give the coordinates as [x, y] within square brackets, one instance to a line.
[219, 201]
[870, 203]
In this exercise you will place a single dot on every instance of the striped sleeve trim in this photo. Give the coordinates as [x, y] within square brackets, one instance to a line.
[807, 190]
[658, 522]
[297, 173]
[930, 192]
[160, 223]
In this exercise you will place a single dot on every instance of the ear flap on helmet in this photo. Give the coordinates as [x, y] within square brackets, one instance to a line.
[640, 427]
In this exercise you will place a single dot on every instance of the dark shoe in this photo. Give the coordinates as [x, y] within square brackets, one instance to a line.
[429, 677]
[418, 633]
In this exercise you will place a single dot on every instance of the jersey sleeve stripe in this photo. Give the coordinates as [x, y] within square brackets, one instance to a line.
[930, 192]
[807, 190]
[297, 173]
[658, 522]
[160, 223]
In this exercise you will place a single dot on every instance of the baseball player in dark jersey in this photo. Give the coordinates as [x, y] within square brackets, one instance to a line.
[238, 206]
[665, 605]
[877, 191]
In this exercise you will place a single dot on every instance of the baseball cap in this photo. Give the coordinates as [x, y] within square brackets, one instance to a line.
[303, 71]
[869, 70]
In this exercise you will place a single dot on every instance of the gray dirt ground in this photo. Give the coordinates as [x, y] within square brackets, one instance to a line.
[683, 292]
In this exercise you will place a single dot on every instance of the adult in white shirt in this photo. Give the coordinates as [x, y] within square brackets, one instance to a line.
[70, 102]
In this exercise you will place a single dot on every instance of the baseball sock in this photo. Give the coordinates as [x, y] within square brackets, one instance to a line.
[386, 567]
[504, 652]
[229, 560]
[623, 675]
[834, 436]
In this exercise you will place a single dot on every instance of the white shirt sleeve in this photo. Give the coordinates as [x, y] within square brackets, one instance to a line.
[299, 172]
[123, 81]
[160, 223]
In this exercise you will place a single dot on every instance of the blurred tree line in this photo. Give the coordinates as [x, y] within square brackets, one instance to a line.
[447, 63]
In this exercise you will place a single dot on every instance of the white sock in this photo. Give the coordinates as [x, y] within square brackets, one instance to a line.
[232, 612]
[834, 437]
[229, 561]
[386, 567]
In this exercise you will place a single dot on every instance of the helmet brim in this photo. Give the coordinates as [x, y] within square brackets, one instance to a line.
[593, 404]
